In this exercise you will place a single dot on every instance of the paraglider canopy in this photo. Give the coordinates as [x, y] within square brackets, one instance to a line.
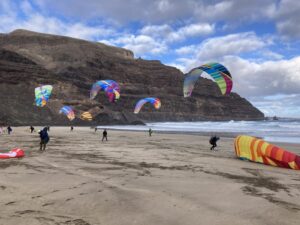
[15, 153]
[68, 111]
[257, 150]
[42, 95]
[110, 87]
[154, 101]
[217, 71]
[86, 116]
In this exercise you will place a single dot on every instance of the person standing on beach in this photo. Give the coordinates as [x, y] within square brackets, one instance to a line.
[9, 129]
[104, 135]
[48, 128]
[96, 129]
[31, 129]
[150, 132]
[213, 141]
[72, 128]
[44, 138]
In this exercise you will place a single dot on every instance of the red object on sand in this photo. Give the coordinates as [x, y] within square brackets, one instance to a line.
[15, 153]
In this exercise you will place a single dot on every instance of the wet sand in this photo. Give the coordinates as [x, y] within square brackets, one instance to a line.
[171, 179]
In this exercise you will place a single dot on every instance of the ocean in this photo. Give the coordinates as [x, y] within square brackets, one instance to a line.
[282, 130]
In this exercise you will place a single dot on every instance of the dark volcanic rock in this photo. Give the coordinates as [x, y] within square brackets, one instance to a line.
[29, 59]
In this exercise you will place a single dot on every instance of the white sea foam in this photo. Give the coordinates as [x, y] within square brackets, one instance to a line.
[284, 130]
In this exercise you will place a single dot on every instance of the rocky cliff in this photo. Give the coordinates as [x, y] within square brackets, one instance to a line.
[29, 59]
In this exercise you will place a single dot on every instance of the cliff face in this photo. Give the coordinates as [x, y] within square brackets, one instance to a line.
[29, 59]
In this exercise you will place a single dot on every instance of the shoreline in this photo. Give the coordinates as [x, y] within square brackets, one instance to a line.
[198, 133]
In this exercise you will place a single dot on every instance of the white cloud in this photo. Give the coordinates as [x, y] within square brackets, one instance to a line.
[268, 54]
[163, 5]
[37, 22]
[157, 31]
[162, 11]
[287, 18]
[231, 13]
[191, 30]
[280, 105]
[121, 11]
[234, 11]
[187, 50]
[26, 7]
[266, 78]
[141, 45]
[216, 48]
[232, 44]
[168, 34]
[154, 39]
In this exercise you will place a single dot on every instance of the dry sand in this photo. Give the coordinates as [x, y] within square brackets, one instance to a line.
[169, 179]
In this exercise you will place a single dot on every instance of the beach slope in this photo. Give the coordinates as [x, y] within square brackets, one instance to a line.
[171, 179]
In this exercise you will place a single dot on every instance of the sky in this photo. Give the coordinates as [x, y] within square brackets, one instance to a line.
[257, 40]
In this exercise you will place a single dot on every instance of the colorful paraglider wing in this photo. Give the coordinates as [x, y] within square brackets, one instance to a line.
[95, 89]
[257, 150]
[113, 84]
[112, 94]
[220, 74]
[42, 95]
[190, 81]
[86, 116]
[217, 71]
[154, 101]
[68, 111]
[117, 95]
[106, 86]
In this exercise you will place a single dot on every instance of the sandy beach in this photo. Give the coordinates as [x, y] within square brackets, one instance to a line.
[171, 179]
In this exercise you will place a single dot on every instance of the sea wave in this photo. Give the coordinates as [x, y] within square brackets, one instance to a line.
[279, 131]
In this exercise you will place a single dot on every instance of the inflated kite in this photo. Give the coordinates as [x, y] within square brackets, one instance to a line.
[110, 87]
[86, 116]
[154, 101]
[68, 111]
[217, 71]
[42, 95]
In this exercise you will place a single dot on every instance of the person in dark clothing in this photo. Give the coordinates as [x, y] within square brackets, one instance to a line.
[213, 141]
[72, 128]
[31, 129]
[150, 132]
[96, 129]
[104, 135]
[48, 128]
[9, 129]
[44, 138]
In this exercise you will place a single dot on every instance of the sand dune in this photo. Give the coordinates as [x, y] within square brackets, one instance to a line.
[135, 179]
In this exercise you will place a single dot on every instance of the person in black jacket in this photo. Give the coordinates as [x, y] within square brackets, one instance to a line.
[104, 135]
[150, 132]
[9, 129]
[31, 129]
[44, 138]
[213, 141]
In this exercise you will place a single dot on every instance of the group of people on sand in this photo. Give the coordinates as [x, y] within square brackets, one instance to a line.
[44, 136]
